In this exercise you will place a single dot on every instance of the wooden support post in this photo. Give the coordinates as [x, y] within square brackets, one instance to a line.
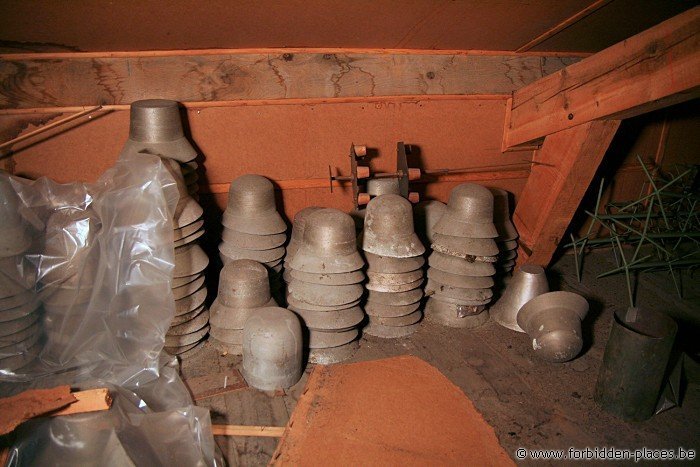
[555, 188]
[654, 69]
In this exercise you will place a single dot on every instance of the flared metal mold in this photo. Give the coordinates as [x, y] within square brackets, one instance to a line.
[527, 283]
[388, 229]
[328, 245]
[553, 322]
[251, 207]
[155, 127]
[469, 213]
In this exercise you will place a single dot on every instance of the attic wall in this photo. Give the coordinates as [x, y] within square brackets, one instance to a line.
[294, 145]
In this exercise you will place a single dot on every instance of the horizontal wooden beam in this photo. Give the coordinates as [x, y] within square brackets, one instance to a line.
[553, 192]
[32, 81]
[257, 102]
[311, 183]
[653, 69]
[248, 430]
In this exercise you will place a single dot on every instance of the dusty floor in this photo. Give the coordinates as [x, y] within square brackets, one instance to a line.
[529, 403]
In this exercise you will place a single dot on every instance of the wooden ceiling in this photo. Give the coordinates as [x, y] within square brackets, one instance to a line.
[127, 25]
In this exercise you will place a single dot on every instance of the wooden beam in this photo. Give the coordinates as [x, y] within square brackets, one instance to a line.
[91, 400]
[653, 69]
[554, 190]
[246, 430]
[28, 82]
[573, 19]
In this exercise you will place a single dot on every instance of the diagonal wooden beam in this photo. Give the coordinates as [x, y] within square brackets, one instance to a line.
[654, 69]
[555, 188]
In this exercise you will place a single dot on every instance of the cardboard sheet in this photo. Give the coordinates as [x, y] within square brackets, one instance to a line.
[395, 411]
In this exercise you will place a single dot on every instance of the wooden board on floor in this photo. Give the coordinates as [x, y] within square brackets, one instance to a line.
[395, 411]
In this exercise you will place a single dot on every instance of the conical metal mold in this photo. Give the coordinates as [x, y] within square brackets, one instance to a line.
[461, 301]
[469, 213]
[263, 256]
[180, 281]
[501, 215]
[244, 284]
[397, 321]
[354, 277]
[390, 332]
[225, 347]
[10, 286]
[187, 210]
[188, 289]
[390, 311]
[21, 335]
[227, 317]
[379, 287]
[188, 230]
[328, 245]
[333, 355]
[455, 316]
[336, 321]
[190, 239]
[553, 322]
[15, 236]
[455, 265]
[395, 279]
[323, 339]
[395, 298]
[272, 349]
[383, 186]
[298, 227]
[189, 259]
[155, 127]
[187, 316]
[464, 247]
[18, 361]
[251, 207]
[387, 265]
[389, 228]
[16, 325]
[20, 311]
[228, 336]
[507, 245]
[293, 302]
[325, 295]
[456, 293]
[527, 283]
[195, 324]
[461, 281]
[251, 241]
[186, 339]
[190, 302]
[426, 215]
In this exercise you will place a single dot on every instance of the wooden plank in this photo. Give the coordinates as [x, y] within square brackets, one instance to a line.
[91, 400]
[554, 191]
[215, 384]
[656, 68]
[245, 430]
[29, 82]
[563, 25]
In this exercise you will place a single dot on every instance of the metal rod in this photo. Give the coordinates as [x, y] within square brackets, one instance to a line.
[44, 128]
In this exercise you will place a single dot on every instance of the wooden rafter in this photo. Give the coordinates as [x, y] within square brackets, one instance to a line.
[654, 69]
[554, 30]
[555, 188]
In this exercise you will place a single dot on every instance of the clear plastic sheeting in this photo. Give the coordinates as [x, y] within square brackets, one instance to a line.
[86, 300]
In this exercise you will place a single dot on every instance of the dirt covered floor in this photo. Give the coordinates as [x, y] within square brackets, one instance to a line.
[530, 403]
